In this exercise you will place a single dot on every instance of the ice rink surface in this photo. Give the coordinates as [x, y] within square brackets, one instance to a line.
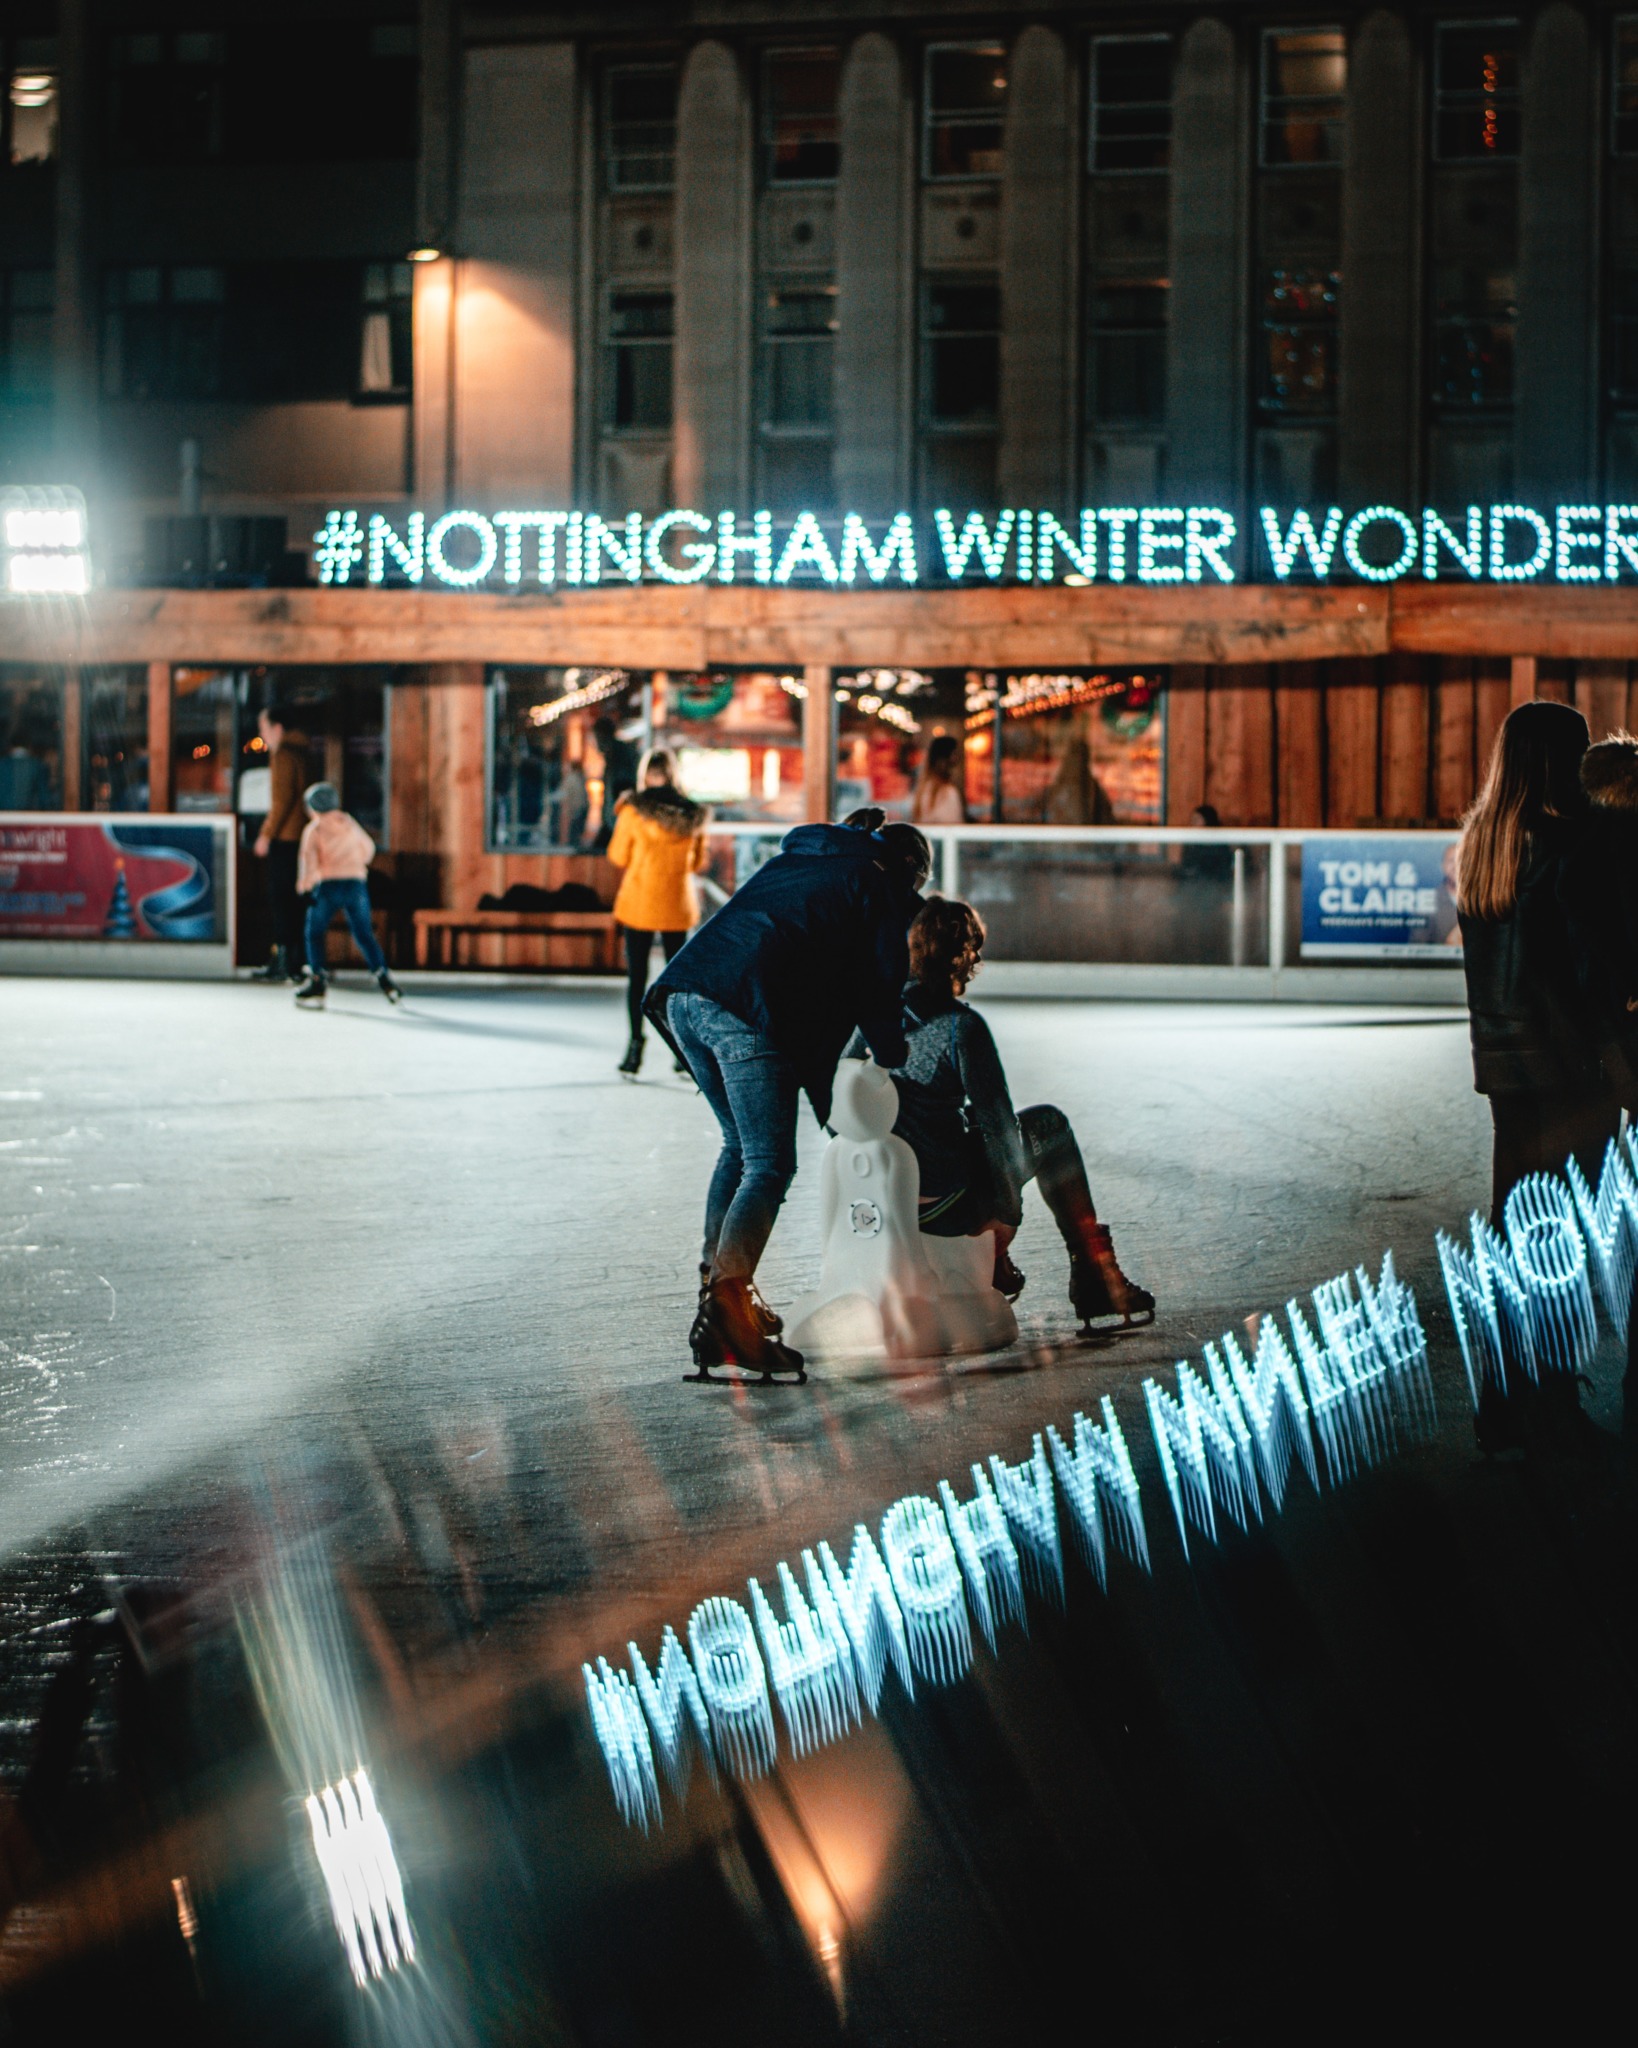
[224, 1219]
[392, 1306]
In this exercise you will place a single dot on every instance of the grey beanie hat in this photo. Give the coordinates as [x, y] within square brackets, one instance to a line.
[321, 796]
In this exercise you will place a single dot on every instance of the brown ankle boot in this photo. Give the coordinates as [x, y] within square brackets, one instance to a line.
[1098, 1287]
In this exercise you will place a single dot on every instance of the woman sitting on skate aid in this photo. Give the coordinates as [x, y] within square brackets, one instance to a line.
[974, 1152]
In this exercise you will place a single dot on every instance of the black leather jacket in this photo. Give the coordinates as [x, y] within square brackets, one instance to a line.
[1531, 1025]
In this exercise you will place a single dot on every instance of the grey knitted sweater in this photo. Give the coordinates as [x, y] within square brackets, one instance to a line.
[955, 1113]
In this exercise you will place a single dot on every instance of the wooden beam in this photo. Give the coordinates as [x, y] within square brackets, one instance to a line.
[1527, 619]
[1405, 742]
[73, 741]
[818, 745]
[1299, 745]
[1351, 729]
[1185, 702]
[701, 626]
[1521, 684]
[1601, 695]
[161, 709]
[1454, 760]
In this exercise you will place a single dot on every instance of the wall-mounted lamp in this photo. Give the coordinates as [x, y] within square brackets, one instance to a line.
[425, 254]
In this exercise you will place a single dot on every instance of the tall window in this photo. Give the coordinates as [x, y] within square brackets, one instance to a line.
[386, 331]
[800, 134]
[961, 354]
[640, 127]
[1473, 318]
[797, 348]
[262, 333]
[964, 98]
[1126, 365]
[1298, 358]
[25, 334]
[1623, 362]
[1304, 112]
[29, 113]
[166, 96]
[637, 354]
[1475, 91]
[1131, 124]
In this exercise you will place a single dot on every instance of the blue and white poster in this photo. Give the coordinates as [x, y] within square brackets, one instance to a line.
[1380, 898]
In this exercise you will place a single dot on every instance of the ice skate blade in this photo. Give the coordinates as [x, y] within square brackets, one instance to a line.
[1108, 1327]
[745, 1376]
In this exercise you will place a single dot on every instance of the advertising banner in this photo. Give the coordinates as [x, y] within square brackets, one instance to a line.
[1377, 897]
[109, 879]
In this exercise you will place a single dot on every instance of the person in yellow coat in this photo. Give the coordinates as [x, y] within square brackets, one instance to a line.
[659, 839]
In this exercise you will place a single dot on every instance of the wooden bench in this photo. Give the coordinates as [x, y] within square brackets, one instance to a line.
[438, 934]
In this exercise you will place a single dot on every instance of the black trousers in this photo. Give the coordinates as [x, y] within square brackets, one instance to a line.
[639, 945]
[1052, 1159]
[1537, 1133]
[284, 904]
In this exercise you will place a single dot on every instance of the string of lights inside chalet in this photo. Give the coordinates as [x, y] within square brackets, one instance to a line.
[1150, 544]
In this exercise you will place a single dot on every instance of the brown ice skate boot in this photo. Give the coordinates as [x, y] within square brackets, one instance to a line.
[730, 1330]
[1098, 1287]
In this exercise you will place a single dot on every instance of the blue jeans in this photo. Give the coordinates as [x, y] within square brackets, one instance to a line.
[753, 1093]
[352, 899]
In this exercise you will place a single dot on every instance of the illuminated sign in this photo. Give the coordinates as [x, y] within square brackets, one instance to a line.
[44, 543]
[912, 1595]
[1149, 544]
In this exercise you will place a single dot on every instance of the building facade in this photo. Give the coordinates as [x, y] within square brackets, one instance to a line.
[260, 261]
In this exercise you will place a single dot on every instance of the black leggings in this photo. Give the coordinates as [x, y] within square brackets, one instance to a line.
[638, 947]
[1052, 1159]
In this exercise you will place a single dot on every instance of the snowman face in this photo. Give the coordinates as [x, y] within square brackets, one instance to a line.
[865, 1219]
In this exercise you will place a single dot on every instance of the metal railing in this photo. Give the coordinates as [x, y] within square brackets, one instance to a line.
[1144, 910]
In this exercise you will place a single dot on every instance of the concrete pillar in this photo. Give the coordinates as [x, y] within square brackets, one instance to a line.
[1037, 276]
[1378, 408]
[711, 439]
[515, 228]
[1205, 358]
[1555, 392]
[74, 320]
[873, 281]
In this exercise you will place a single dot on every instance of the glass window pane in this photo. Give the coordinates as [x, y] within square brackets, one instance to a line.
[33, 95]
[1305, 76]
[1131, 126]
[640, 120]
[641, 395]
[1476, 91]
[1127, 363]
[964, 78]
[31, 740]
[965, 89]
[800, 124]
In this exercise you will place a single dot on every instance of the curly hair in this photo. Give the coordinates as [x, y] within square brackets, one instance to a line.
[946, 942]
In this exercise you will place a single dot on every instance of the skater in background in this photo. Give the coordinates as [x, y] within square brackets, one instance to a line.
[760, 1003]
[1522, 892]
[279, 837]
[659, 839]
[975, 1153]
[936, 798]
[335, 856]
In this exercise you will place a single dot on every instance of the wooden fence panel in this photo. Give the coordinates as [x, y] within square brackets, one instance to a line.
[1352, 723]
[1299, 743]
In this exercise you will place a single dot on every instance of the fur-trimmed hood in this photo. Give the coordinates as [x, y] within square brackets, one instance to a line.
[668, 808]
[1609, 773]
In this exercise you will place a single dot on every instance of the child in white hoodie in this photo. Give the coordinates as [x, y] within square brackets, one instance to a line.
[332, 866]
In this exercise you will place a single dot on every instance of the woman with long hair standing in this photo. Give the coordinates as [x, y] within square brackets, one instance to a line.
[936, 798]
[1535, 1039]
[659, 839]
[1535, 1046]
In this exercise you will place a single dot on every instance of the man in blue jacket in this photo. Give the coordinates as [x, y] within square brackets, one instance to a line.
[760, 1003]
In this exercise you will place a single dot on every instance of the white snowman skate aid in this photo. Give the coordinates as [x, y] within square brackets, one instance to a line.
[886, 1291]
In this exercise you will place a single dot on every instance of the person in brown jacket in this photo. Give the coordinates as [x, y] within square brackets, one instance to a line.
[278, 839]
